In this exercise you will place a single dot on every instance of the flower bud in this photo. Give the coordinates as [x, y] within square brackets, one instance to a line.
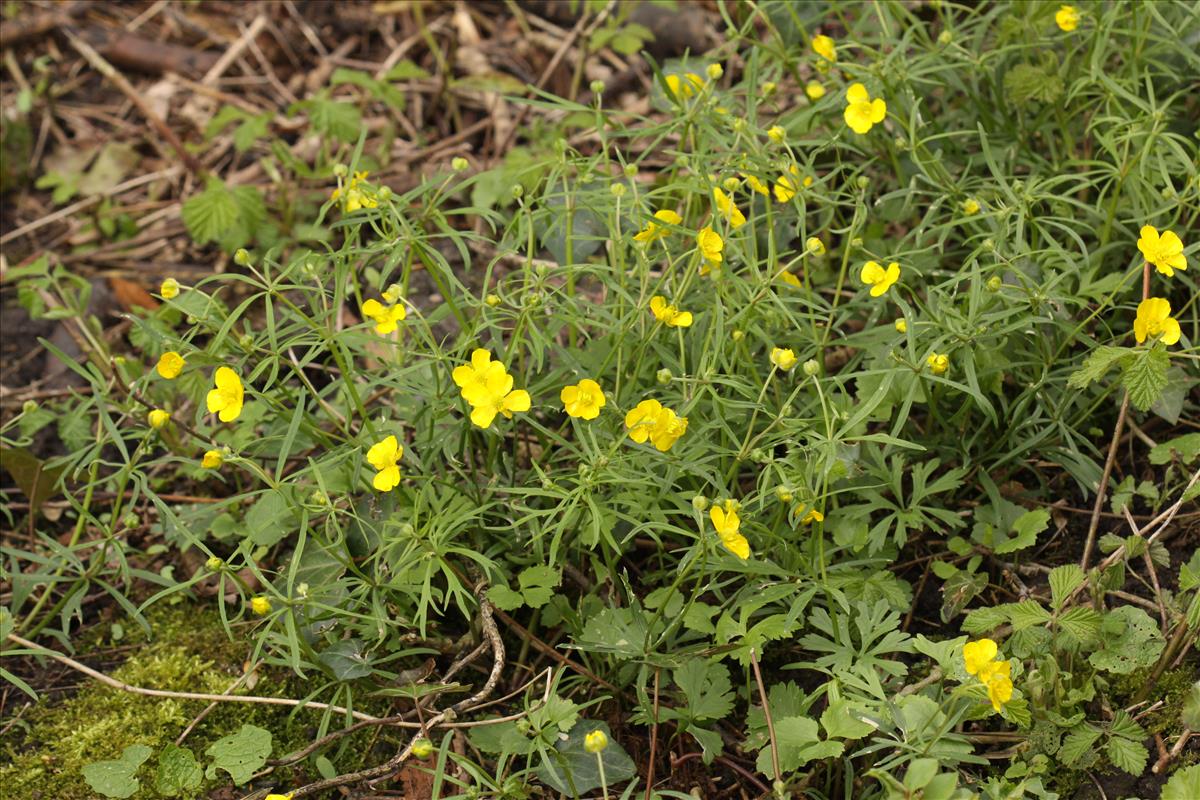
[422, 748]
[459, 164]
[340, 170]
[769, 88]
[994, 283]
[596, 741]
[663, 376]
[384, 194]
[131, 520]
[863, 182]
[213, 459]
[945, 37]
[260, 605]
[169, 289]
[901, 325]
[783, 494]
[731, 184]
[29, 406]
[989, 244]
[715, 71]
[811, 367]
[737, 335]
[617, 189]
[700, 503]
[815, 246]
[213, 564]
[630, 170]
[759, 455]
[518, 191]
[492, 300]
[777, 134]
[597, 87]
[242, 257]
[158, 419]
[815, 90]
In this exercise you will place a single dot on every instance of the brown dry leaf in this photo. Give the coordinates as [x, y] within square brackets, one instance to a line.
[131, 294]
[158, 97]
[417, 779]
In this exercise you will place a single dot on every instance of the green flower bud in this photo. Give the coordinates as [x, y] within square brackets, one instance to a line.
[994, 283]
[631, 170]
[617, 189]
[242, 257]
[214, 564]
[518, 191]
[811, 367]
[945, 37]
[492, 300]
[597, 87]
[384, 194]
[663, 376]
[459, 164]
[863, 182]
[783, 494]
[422, 748]
[700, 503]
[339, 170]
[29, 406]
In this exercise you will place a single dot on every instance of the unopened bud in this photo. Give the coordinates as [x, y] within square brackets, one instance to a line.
[811, 367]
[458, 164]
[663, 376]
[617, 189]
[422, 748]
[994, 283]
[29, 406]
[242, 257]
[597, 87]
[700, 502]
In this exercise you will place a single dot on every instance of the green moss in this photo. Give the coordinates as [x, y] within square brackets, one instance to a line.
[189, 652]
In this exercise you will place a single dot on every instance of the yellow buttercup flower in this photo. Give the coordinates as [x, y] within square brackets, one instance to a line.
[158, 419]
[355, 195]
[685, 86]
[970, 206]
[212, 459]
[901, 325]
[287, 796]
[824, 47]
[227, 399]
[938, 363]
[714, 71]
[728, 524]
[812, 516]
[169, 289]
[776, 134]
[861, 111]
[787, 185]
[668, 314]
[878, 278]
[815, 90]
[978, 654]
[653, 231]
[385, 317]
[1066, 18]
[711, 247]
[1164, 251]
[755, 184]
[815, 246]
[651, 420]
[479, 378]
[1154, 319]
[595, 741]
[170, 364]
[790, 279]
[260, 605]
[783, 358]
[996, 676]
[583, 400]
[728, 208]
[506, 401]
[385, 456]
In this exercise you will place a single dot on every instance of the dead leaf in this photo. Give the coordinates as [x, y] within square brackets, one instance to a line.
[131, 294]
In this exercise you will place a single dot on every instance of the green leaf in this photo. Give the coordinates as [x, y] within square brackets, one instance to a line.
[1099, 362]
[1186, 448]
[178, 771]
[1184, 784]
[1082, 624]
[339, 120]
[1191, 708]
[1131, 639]
[210, 214]
[1146, 376]
[117, 778]
[707, 689]
[843, 720]
[1078, 741]
[1063, 581]
[1026, 614]
[620, 632]
[1127, 754]
[1024, 531]
[270, 519]
[799, 743]
[575, 772]
[920, 773]
[505, 598]
[346, 660]
[537, 584]
[406, 70]
[240, 754]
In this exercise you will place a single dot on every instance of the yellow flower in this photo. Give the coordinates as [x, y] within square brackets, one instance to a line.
[668, 314]
[726, 521]
[385, 317]
[787, 185]
[158, 419]
[480, 378]
[776, 134]
[260, 605]
[815, 246]
[651, 420]
[996, 676]
[861, 111]
[287, 796]
[755, 184]
[976, 655]
[970, 206]
[901, 325]
[169, 289]
[170, 364]
[683, 87]
[503, 400]
[583, 400]
[815, 90]
[355, 196]
[422, 748]
[783, 358]
[790, 279]
[728, 208]
[714, 71]
[1165, 252]
[812, 516]
[212, 459]
[385, 457]
[824, 47]
[653, 231]
[596, 741]
[878, 278]
[226, 400]
[711, 247]
[1066, 18]
[1154, 319]
[938, 363]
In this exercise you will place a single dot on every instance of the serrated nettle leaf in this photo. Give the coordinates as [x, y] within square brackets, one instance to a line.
[1127, 754]
[1145, 376]
[1064, 580]
[1078, 741]
[1130, 640]
[1026, 614]
[1098, 362]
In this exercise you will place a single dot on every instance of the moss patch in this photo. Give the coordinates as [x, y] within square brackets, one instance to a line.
[189, 652]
